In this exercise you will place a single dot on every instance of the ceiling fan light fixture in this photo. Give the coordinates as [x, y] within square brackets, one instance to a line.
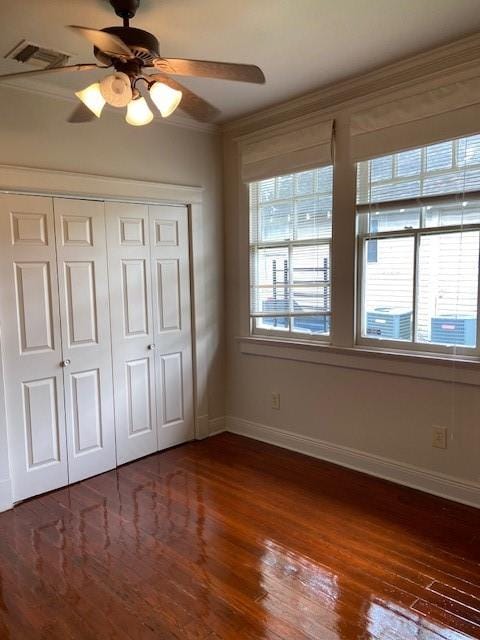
[92, 98]
[165, 98]
[138, 112]
[129, 51]
[116, 89]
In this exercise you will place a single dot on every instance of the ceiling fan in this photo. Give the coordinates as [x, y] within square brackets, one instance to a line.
[129, 51]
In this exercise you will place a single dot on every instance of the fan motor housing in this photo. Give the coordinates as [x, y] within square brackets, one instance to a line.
[144, 45]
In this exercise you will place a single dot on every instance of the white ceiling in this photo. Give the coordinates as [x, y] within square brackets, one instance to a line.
[300, 44]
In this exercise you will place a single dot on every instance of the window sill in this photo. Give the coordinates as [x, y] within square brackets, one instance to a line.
[442, 367]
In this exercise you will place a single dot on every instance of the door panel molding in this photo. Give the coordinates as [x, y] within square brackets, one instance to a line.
[166, 233]
[41, 422]
[136, 319]
[172, 324]
[31, 346]
[139, 401]
[81, 300]
[132, 330]
[29, 228]
[86, 341]
[168, 298]
[34, 306]
[76, 231]
[132, 232]
[87, 413]
[32, 229]
[172, 388]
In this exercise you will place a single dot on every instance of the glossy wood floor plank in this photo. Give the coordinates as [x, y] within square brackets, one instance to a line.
[232, 539]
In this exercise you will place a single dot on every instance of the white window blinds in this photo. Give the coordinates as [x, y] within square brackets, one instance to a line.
[290, 248]
[438, 114]
[280, 152]
[449, 167]
[418, 220]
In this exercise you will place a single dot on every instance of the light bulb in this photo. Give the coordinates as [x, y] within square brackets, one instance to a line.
[138, 112]
[165, 98]
[92, 98]
[116, 89]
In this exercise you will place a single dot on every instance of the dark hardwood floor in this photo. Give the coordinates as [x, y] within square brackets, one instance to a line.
[234, 539]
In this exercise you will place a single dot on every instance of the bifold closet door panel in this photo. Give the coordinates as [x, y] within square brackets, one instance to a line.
[172, 323]
[86, 344]
[31, 345]
[132, 329]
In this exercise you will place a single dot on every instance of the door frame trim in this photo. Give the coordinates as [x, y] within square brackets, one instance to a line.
[66, 184]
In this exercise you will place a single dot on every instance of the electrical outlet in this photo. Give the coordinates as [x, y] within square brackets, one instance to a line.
[439, 437]
[275, 400]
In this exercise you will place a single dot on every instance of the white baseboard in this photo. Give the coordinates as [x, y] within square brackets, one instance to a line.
[216, 426]
[438, 484]
[5, 495]
[201, 427]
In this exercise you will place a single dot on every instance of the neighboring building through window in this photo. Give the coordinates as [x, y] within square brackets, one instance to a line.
[418, 221]
[290, 254]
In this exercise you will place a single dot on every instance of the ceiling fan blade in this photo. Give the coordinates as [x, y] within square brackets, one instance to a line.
[37, 72]
[107, 42]
[211, 69]
[191, 103]
[80, 114]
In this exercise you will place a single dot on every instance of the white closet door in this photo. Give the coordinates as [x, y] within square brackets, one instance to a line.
[132, 330]
[172, 323]
[31, 345]
[85, 322]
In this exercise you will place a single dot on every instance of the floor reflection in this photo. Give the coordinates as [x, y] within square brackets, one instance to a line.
[299, 590]
[322, 604]
[387, 619]
[188, 547]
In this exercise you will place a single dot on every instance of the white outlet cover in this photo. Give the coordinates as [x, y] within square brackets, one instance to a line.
[439, 437]
[275, 400]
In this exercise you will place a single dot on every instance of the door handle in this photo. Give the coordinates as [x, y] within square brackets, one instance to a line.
[151, 347]
[65, 363]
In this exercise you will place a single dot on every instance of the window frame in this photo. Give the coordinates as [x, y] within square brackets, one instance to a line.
[282, 334]
[396, 179]
[363, 236]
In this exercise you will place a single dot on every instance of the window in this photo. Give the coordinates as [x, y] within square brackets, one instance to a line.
[418, 223]
[290, 254]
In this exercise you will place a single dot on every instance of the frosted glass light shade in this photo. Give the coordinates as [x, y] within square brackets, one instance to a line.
[116, 89]
[92, 98]
[165, 98]
[138, 112]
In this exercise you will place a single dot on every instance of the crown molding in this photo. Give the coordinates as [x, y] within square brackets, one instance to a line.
[440, 63]
[61, 93]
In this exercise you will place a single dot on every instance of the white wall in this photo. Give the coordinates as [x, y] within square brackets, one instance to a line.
[34, 133]
[374, 421]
